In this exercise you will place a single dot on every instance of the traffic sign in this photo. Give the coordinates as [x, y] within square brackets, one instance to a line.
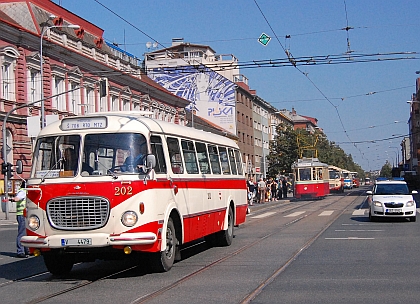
[264, 39]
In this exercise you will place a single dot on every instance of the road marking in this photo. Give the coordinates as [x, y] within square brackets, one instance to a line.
[358, 230]
[359, 212]
[350, 238]
[294, 214]
[263, 215]
[326, 213]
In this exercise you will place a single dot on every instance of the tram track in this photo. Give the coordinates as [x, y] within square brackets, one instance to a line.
[282, 209]
[255, 292]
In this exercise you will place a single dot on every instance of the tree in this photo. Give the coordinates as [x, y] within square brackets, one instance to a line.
[283, 150]
[386, 170]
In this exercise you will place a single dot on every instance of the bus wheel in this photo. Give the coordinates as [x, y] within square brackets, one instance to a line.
[224, 237]
[164, 260]
[59, 264]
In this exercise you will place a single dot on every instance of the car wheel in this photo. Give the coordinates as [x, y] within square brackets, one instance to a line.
[412, 219]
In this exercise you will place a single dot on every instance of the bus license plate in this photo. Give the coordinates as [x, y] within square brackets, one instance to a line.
[394, 210]
[76, 242]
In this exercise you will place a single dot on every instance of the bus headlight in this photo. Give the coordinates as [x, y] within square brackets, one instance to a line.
[33, 222]
[129, 218]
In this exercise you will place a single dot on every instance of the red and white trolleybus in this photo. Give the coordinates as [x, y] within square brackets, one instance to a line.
[311, 178]
[111, 184]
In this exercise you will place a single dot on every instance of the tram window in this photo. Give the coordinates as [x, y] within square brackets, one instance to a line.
[203, 158]
[175, 155]
[157, 150]
[304, 174]
[239, 164]
[224, 160]
[232, 161]
[190, 157]
[214, 159]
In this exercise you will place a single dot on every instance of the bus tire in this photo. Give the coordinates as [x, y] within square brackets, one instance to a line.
[59, 264]
[164, 260]
[224, 237]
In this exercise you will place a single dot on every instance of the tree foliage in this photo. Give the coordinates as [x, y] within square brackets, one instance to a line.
[284, 150]
[386, 170]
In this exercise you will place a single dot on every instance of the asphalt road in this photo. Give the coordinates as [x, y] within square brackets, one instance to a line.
[322, 251]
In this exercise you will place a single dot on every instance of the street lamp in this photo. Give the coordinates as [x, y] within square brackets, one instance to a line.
[44, 30]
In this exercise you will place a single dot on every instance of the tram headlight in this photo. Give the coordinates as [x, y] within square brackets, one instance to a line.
[129, 218]
[33, 222]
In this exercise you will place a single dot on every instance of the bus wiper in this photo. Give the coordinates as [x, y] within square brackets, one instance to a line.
[53, 168]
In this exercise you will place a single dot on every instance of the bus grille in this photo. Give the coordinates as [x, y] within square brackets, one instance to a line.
[78, 213]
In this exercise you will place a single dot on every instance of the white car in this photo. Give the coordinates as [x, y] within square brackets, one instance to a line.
[391, 198]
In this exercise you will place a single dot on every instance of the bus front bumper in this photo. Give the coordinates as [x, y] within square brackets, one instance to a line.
[89, 240]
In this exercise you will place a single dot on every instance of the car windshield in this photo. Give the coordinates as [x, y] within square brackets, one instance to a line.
[382, 189]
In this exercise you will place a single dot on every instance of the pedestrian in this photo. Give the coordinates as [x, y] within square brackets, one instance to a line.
[20, 199]
[280, 189]
[284, 187]
[261, 191]
[273, 190]
[251, 189]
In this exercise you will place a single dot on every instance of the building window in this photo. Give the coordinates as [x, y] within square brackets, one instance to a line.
[74, 97]
[89, 100]
[8, 81]
[115, 103]
[59, 101]
[34, 85]
[126, 105]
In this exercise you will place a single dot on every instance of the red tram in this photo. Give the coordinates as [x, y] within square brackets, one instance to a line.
[311, 178]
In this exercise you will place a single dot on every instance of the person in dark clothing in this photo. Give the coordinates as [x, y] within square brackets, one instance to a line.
[284, 187]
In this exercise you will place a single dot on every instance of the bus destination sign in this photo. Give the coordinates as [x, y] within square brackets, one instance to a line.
[81, 123]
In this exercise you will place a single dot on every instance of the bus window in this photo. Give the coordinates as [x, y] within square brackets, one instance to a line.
[190, 158]
[203, 158]
[157, 150]
[232, 161]
[224, 160]
[113, 152]
[51, 155]
[175, 156]
[239, 164]
[214, 159]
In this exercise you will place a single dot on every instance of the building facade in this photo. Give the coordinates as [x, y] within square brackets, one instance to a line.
[74, 61]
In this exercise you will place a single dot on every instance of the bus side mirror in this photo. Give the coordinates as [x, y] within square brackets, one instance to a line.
[19, 166]
[150, 161]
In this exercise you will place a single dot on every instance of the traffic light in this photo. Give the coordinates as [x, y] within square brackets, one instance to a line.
[103, 87]
[3, 168]
[9, 170]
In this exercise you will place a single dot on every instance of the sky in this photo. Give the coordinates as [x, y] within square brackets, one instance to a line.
[359, 98]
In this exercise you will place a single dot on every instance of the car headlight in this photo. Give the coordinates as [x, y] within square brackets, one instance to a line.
[33, 222]
[410, 203]
[129, 218]
[377, 204]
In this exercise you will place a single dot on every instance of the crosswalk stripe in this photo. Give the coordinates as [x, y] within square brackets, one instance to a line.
[359, 212]
[263, 215]
[326, 213]
[294, 214]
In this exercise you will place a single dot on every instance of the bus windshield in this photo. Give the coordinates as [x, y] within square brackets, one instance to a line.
[95, 154]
